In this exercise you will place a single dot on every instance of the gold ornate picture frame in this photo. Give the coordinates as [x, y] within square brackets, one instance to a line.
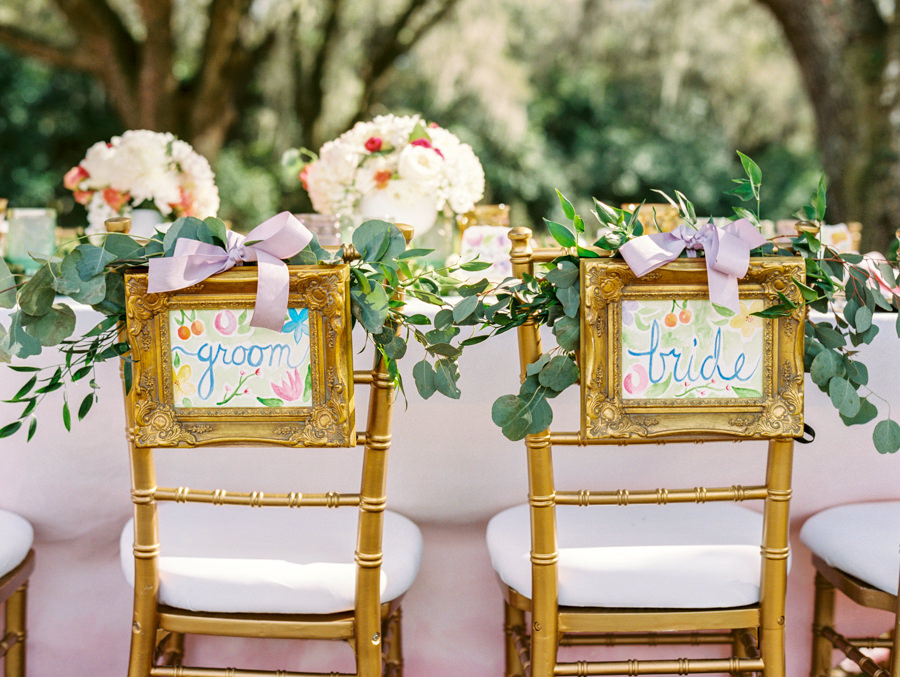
[203, 376]
[658, 360]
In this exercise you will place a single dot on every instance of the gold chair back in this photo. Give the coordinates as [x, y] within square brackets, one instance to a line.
[164, 410]
[536, 627]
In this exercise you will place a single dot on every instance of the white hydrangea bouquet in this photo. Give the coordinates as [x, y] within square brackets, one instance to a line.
[393, 167]
[142, 169]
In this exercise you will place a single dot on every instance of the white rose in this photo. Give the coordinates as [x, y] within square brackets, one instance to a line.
[417, 163]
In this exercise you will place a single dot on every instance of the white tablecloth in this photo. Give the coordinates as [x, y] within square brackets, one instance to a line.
[450, 470]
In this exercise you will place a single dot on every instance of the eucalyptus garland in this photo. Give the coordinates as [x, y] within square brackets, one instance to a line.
[831, 339]
[93, 274]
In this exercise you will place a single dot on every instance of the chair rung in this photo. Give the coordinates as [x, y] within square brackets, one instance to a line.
[646, 638]
[181, 671]
[681, 666]
[294, 499]
[7, 642]
[661, 496]
[866, 664]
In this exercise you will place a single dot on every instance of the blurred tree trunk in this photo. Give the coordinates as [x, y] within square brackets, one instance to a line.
[138, 73]
[849, 56]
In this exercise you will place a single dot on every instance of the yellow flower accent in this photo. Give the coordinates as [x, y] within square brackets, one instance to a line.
[747, 323]
[182, 381]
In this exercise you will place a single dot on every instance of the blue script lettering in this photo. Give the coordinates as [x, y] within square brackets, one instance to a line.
[681, 364]
[272, 355]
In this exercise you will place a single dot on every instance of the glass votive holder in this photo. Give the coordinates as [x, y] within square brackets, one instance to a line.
[30, 233]
[326, 227]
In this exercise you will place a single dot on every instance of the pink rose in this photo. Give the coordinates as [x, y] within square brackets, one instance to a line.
[74, 176]
[425, 143]
[373, 144]
[83, 197]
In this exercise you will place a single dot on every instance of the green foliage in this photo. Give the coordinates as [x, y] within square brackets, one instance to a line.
[553, 299]
[93, 274]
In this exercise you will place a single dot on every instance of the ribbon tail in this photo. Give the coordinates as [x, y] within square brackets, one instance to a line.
[272, 289]
[723, 288]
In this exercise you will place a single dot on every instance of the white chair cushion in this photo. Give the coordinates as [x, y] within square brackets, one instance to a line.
[269, 560]
[861, 539]
[16, 538]
[682, 556]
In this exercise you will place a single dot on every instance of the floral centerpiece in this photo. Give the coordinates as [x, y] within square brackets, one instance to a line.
[143, 170]
[396, 167]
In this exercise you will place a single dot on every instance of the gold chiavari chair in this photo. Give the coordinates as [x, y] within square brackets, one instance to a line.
[666, 566]
[325, 566]
[16, 565]
[856, 550]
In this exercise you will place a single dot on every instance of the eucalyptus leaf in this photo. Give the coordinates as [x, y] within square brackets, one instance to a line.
[7, 286]
[886, 436]
[36, 295]
[567, 331]
[21, 344]
[93, 260]
[844, 396]
[51, 328]
[446, 374]
[867, 412]
[565, 274]
[395, 348]
[541, 415]
[829, 336]
[507, 408]
[825, 366]
[370, 309]
[863, 319]
[423, 373]
[569, 297]
[465, 308]
[559, 374]
[535, 367]
[91, 292]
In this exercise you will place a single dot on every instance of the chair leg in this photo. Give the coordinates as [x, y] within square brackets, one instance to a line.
[513, 626]
[823, 616]
[393, 634]
[169, 648]
[143, 634]
[15, 624]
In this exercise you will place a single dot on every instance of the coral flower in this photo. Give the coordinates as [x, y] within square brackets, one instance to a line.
[382, 178]
[115, 198]
[82, 197]
[291, 386]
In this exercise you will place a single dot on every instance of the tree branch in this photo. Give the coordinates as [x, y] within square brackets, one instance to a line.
[156, 81]
[112, 51]
[55, 55]
[310, 99]
[391, 45]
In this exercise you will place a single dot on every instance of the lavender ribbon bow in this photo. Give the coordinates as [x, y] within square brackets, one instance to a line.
[277, 238]
[727, 254]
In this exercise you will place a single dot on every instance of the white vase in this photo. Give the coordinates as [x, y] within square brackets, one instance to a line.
[401, 201]
[145, 223]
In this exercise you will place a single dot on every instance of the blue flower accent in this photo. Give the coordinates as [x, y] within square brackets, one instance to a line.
[297, 323]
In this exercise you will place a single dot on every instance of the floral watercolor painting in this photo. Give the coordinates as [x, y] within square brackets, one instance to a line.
[219, 360]
[688, 349]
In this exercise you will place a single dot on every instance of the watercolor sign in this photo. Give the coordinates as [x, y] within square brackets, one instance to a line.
[219, 360]
[689, 349]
